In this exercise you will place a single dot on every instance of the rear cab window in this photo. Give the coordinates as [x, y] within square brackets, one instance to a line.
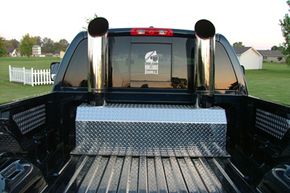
[150, 62]
[225, 77]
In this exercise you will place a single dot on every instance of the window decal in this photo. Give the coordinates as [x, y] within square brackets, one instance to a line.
[151, 62]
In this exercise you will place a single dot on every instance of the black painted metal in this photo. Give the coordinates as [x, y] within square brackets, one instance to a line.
[18, 175]
[252, 150]
[149, 174]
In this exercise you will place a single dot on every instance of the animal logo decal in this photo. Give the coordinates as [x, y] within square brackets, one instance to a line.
[151, 62]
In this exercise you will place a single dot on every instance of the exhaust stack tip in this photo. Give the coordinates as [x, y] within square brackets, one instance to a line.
[98, 27]
[204, 29]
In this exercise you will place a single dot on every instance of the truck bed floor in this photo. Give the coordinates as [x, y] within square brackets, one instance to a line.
[148, 174]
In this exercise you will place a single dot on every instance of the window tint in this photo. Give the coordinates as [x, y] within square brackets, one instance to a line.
[119, 60]
[225, 78]
[77, 71]
[127, 62]
[150, 62]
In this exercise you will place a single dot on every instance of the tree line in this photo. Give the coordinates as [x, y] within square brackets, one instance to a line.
[280, 47]
[24, 47]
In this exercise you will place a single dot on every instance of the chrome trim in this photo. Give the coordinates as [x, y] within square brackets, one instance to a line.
[97, 31]
[95, 81]
[204, 58]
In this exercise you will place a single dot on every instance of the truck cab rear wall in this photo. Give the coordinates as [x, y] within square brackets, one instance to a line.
[62, 82]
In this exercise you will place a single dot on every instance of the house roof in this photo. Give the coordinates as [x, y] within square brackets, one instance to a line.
[36, 46]
[271, 53]
[10, 50]
[240, 50]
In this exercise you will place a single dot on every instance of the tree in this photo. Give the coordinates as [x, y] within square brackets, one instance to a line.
[280, 48]
[63, 44]
[274, 48]
[47, 45]
[26, 44]
[38, 40]
[56, 47]
[238, 45]
[11, 45]
[3, 50]
[88, 20]
[285, 27]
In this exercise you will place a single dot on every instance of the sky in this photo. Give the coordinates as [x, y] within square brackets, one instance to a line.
[253, 22]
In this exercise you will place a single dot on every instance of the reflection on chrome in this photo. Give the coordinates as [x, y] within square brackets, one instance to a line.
[97, 30]
[204, 58]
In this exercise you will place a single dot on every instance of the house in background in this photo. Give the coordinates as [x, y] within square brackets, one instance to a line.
[36, 50]
[13, 53]
[272, 56]
[249, 57]
[61, 54]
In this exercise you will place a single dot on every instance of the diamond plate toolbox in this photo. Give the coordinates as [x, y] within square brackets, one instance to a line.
[150, 130]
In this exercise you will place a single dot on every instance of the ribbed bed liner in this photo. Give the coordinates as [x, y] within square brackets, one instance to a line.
[149, 174]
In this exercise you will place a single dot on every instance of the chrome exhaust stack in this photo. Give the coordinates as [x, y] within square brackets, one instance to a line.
[204, 59]
[97, 30]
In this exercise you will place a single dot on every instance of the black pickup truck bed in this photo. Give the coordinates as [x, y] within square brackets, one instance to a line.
[149, 174]
[118, 150]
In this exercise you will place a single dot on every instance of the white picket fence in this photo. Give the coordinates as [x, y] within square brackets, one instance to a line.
[30, 76]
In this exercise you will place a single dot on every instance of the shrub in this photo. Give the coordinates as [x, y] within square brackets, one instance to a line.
[288, 60]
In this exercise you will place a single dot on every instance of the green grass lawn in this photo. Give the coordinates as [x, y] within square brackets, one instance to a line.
[272, 83]
[14, 91]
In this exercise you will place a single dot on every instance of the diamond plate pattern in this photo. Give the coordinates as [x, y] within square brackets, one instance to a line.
[8, 143]
[160, 137]
[30, 119]
[272, 124]
[150, 113]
